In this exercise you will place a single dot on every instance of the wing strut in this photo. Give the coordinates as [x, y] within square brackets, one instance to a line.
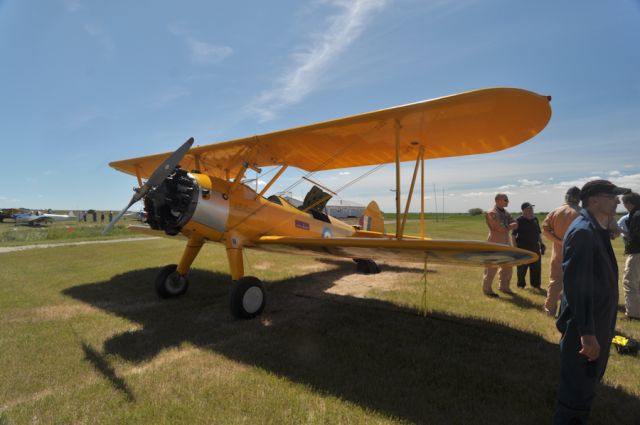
[410, 195]
[138, 176]
[273, 180]
[422, 194]
[398, 127]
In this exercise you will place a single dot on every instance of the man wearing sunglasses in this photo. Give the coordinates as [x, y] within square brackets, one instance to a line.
[500, 225]
[589, 302]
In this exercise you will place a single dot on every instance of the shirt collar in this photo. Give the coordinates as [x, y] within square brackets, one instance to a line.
[585, 212]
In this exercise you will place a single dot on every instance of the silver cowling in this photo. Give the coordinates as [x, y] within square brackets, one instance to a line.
[180, 199]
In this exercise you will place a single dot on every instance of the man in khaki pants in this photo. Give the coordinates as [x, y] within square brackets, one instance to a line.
[500, 225]
[631, 202]
[554, 227]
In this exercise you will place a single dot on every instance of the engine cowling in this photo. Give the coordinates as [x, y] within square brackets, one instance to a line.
[172, 204]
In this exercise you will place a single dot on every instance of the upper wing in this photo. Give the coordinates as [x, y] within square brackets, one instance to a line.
[404, 250]
[469, 123]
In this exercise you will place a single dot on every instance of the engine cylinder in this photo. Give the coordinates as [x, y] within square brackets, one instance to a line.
[172, 204]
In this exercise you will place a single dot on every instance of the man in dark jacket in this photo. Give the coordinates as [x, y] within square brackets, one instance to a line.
[589, 303]
[527, 236]
[631, 202]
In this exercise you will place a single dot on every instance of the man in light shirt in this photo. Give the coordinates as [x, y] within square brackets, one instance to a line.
[554, 227]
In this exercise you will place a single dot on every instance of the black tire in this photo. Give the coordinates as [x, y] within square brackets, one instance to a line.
[169, 284]
[247, 298]
[367, 266]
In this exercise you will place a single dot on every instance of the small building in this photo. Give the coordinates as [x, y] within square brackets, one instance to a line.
[342, 208]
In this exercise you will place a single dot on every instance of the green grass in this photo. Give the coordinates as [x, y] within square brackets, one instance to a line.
[62, 231]
[84, 339]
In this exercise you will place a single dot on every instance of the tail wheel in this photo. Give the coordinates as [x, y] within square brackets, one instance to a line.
[247, 297]
[170, 284]
[367, 266]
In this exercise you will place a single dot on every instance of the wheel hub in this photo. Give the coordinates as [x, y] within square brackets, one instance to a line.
[252, 299]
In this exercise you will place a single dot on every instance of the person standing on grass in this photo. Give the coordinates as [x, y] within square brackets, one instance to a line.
[500, 223]
[554, 227]
[527, 236]
[631, 202]
[589, 302]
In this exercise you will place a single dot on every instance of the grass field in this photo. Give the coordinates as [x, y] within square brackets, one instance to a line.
[62, 231]
[84, 339]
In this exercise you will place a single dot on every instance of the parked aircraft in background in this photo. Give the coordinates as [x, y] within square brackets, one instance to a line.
[197, 193]
[36, 219]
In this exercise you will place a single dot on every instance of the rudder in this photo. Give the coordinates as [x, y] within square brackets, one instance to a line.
[372, 219]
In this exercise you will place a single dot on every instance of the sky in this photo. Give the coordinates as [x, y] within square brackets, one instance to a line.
[83, 83]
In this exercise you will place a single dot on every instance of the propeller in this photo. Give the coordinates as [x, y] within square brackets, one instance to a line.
[158, 176]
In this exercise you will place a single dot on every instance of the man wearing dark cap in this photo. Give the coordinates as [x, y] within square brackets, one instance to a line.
[554, 227]
[527, 236]
[589, 302]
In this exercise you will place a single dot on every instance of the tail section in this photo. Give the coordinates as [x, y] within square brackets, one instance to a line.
[372, 219]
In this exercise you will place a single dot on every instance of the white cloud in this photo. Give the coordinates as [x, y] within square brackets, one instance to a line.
[615, 173]
[103, 38]
[169, 96]
[507, 186]
[200, 52]
[479, 194]
[631, 181]
[203, 52]
[526, 182]
[344, 173]
[312, 62]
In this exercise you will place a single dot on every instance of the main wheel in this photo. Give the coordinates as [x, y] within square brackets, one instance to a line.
[247, 297]
[169, 284]
[367, 266]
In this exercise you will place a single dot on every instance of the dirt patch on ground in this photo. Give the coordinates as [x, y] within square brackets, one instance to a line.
[263, 265]
[358, 285]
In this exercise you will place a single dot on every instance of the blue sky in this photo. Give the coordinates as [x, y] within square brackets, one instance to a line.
[87, 82]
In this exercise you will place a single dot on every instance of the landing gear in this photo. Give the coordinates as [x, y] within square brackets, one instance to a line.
[367, 266]
[247, 297]
[170, 284]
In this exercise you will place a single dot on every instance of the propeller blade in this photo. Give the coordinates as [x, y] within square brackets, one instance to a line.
[158, 176]
[133, 200]
[166, 168]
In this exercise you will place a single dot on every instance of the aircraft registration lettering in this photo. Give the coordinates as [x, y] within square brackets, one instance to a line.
[302, 225]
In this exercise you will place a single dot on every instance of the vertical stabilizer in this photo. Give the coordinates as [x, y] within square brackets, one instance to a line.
[372, 219]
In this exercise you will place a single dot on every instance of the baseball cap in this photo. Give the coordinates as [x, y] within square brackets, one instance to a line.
[526, 205]
[601, 187]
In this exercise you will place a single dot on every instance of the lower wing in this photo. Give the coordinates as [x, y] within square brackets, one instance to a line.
[476, 253]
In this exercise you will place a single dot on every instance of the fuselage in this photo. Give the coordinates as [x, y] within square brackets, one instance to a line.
[234, 214]
[41, 218]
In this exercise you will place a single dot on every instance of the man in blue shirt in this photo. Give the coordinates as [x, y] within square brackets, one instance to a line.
[589, 303]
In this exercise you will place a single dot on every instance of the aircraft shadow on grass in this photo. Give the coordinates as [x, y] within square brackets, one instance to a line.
[391, 360]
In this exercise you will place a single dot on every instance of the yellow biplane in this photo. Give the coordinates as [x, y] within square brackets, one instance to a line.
[198, 192]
